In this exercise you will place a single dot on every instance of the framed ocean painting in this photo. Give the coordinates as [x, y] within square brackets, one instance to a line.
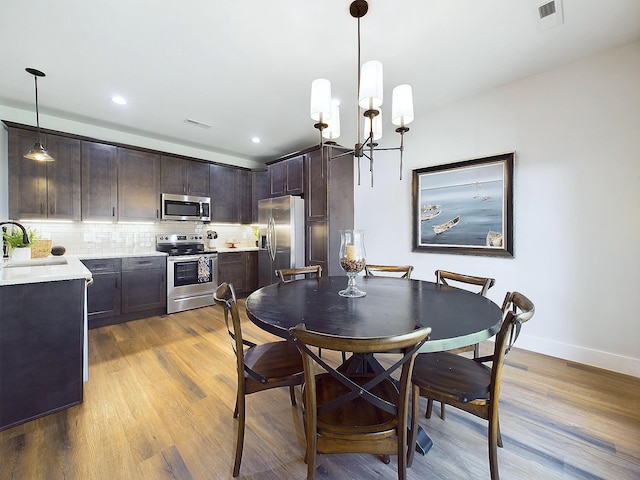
[465, 207]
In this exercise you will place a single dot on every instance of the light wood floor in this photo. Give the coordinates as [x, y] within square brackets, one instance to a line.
[160, 397]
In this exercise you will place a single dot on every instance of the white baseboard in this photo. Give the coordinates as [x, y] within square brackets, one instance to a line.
[574, 353]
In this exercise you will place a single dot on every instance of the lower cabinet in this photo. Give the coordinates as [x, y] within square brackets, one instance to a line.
[144, 283]
[240, 269]
[125, 289]
[41, 350]
[103, 295]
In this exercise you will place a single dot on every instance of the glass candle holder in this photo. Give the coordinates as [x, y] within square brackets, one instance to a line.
[352, 260]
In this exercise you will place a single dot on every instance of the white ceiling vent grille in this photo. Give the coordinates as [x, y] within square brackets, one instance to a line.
[548, 14]
[196, 123]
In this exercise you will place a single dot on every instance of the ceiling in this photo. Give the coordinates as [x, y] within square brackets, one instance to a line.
[245, 66]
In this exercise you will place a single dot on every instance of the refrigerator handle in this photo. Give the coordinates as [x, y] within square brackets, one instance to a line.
[272, 238]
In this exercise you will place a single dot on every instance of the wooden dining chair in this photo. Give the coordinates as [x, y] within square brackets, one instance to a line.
[259, 367]
[356, 413]
[285, 275]
[453, 279]
[467, 383]
[401, 271]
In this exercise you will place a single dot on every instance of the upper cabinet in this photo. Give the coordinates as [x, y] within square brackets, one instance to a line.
[287, 177]
[99, 181]
[138, 186]
[39, 190]
[259, 191]
[184, 177]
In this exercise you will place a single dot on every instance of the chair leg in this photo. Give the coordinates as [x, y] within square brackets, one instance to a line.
[292, 393]
[494, 434]
[442, 404]
[240, 406]
[235, 410]
[413, 432]
[427, 413]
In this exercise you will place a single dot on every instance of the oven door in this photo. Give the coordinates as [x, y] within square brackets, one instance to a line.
[189, 275]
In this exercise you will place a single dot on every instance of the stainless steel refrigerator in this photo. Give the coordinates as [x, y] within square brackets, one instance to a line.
[281, 239]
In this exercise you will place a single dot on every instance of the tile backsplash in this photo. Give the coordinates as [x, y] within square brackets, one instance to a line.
[106, 238]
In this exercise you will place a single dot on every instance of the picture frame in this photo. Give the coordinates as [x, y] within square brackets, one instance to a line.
[465, 207]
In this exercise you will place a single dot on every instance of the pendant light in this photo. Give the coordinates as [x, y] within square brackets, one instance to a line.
[38, 152]
[370, 96]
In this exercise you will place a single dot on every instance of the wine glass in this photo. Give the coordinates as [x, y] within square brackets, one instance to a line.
[352, 260]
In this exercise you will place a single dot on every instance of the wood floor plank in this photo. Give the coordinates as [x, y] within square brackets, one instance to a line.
[161, 393]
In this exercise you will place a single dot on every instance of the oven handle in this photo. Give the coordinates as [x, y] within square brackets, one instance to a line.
[189, 258]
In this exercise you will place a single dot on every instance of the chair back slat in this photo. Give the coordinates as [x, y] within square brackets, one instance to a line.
[285, 275]
[225, 297]
[407, 344]
[444, 277]
[400, 271]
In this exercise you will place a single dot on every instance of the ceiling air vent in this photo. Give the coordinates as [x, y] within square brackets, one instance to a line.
[547, 9]
[548, 14]
[196, 123]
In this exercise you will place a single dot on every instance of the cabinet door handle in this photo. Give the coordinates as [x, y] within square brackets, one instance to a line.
[113, 211]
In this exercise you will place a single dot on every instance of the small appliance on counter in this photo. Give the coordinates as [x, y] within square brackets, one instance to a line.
[192, 273]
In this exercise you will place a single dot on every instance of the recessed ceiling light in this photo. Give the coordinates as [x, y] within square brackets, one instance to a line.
[255, 140]
[119, 100]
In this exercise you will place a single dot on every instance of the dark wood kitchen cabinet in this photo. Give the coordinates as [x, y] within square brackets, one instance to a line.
[286, 177]
[41, 349]
[44, 190]
[144, 283]
[230, 194]
[99, 181]
[259, 191]
[329, 206]
[103, 294]
[126, 289]
[138, 186]
[239, 269]
[181, 176]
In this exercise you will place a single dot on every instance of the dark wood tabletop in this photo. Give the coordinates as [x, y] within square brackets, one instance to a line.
[392, 306]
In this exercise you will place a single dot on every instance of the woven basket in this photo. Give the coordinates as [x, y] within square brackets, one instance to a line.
[41, 248]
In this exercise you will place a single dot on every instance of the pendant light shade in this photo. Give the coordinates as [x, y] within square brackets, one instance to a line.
[38, 151]
[371, 85]
[320, 110]
[402, 105]
[333, 129]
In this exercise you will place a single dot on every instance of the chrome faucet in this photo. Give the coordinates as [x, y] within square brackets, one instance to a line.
[25, 236]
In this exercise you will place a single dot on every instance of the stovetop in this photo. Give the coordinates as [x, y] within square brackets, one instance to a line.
[180, 244]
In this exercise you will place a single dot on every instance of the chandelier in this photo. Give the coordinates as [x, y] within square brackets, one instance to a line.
[38, 152]
[325, 111]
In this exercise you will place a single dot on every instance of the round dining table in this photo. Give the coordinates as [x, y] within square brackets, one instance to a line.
[392, 306]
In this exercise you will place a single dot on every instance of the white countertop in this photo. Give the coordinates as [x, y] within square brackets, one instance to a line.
[89, 256]
[39, 270]
[237, 249]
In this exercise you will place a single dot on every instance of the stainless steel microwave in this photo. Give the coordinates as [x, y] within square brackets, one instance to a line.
[185, 207]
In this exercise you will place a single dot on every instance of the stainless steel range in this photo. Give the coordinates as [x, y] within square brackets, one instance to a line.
[192, 272]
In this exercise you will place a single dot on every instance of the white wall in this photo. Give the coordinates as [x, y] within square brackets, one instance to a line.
[576, 134]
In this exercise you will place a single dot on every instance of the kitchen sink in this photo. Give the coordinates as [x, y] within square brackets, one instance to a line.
[36, 262]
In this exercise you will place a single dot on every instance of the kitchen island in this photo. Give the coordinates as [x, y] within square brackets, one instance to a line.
[42, 337]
